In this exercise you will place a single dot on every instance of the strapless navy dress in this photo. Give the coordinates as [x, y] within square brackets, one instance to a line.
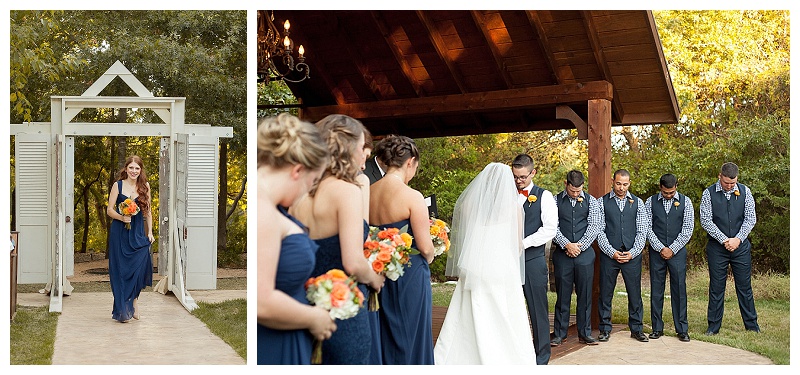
[130, 265]
[297, 257]
[405, 313]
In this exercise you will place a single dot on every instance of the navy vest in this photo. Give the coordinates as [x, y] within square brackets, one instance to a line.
[573, 221]
[728, 215]
[667, 226]
[620, 225]
[533, 216]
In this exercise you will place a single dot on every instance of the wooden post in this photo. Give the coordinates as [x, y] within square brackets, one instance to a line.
[599, 177]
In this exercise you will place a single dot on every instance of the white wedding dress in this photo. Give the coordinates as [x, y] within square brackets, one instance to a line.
[487, 320]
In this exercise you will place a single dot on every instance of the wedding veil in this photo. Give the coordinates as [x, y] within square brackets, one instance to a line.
[486, 230]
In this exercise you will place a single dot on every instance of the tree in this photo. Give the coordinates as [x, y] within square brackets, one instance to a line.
[200, 55]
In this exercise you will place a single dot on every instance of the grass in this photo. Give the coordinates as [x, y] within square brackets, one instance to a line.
[33, 335]
[33, 329]
[771, 292]
[227, 320]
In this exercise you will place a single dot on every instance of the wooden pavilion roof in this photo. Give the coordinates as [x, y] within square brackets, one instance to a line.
[455, 72]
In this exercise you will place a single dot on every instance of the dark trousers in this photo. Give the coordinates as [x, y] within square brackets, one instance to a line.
[676, 266]
[739, 260]
[632, 275]
[577, 272]
[535, 290]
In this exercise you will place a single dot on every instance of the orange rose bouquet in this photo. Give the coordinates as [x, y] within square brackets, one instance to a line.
[440, 237]
[337, 293]
[128, 208]
[388, 251]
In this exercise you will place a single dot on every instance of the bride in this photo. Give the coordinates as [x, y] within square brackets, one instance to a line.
[487, 321]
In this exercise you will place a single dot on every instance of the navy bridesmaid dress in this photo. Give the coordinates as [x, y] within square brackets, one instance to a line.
[405, 313]
[296, 261]
[352, 342]
[130, 265]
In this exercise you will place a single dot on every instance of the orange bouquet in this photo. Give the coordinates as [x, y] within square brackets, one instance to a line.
[337, 293]
[388, 251]
[439, 235]
[128, 208]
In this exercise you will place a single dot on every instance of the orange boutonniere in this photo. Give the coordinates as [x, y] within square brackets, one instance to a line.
[676, 203]
[531, 199]
[736, 193]
[580, 200]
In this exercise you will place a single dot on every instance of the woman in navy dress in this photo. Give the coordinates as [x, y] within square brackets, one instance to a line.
[130, 265]
[336, 223]
[405, 313]
[291, 155]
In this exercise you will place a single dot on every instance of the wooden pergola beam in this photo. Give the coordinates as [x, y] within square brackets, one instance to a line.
[480, 23]
[560, 76]
[599, 170]
[397, 53]
[521, 98]
[441, 50]
[599, 56]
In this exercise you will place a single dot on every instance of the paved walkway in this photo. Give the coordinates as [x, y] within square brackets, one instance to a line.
[621, 349]
[166, 333]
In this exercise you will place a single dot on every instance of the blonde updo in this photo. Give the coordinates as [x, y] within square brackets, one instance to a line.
[340, 134]
[395, 150]
[286, 140]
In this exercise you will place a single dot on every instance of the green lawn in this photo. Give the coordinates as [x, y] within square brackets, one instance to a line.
[772, 304]
[33, 329]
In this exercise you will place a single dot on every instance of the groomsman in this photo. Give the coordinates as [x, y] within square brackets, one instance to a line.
[728, 214]
[373, 167]
[672, 221]
[622, 238]
[579, 222]
[541, 220]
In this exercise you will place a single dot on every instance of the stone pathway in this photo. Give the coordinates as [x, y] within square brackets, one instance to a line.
[621, 349]
[166, 334]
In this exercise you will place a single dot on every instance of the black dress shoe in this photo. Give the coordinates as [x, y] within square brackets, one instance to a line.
[711, 333]
[756, 330]
[588, 340]
[603, 336]
[656, 335]
[557, 341]
[683, 337]
[639, 336]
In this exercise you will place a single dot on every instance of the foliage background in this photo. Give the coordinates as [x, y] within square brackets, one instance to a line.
[730, 72]
[199, 55]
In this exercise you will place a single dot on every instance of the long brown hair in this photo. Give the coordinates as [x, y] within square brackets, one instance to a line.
[141, 182]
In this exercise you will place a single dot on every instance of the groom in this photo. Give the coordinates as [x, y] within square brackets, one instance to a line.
[541, 220]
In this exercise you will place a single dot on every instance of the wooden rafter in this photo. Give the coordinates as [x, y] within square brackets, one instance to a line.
[521, 98]
[480, 23]
[602, 64]
[355, 56]
[313, 61]
[441, 49]
[398, 55]
[663, 62]
[558, 71]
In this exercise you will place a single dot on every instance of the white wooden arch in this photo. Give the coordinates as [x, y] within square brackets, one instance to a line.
[189, 160]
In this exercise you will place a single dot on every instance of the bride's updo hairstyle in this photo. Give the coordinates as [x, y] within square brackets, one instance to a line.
[340, 133]
[286, 140]
[395, 150]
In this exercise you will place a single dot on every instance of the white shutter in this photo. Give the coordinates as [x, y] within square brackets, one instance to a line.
[34, 200]
[201, 218]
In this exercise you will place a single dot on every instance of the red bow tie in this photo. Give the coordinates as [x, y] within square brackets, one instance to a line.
[523, 192]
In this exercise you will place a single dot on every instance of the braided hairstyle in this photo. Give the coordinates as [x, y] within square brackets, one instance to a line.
[341, 134]
[286, 140]
[395, 150]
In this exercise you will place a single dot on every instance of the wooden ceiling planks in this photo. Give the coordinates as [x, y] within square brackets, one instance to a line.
[384, 65]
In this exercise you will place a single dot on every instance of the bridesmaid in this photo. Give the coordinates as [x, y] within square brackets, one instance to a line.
[337, 225]
[364, 184]
[405, 313]
[291, 155]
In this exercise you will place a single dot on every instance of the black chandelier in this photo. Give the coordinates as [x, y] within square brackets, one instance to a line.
[272, 45]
